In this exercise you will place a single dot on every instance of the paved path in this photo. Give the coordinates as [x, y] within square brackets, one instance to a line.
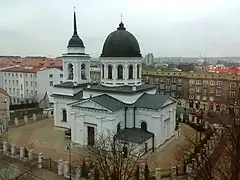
[170, 155]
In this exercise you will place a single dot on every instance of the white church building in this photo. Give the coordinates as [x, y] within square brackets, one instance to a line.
[120, 103]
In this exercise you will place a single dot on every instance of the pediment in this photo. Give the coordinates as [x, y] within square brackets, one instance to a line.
[89, 104]
[168, 102]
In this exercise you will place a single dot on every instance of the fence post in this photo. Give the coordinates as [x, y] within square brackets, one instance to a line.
[40, 160]
[158, 174]
[78, 173]
[30, 154]
[22, 152]
[5, 146]
[16, 121]
[173, 172]
[66, 169]
[13, 150]
[25, 119]
[60, 167]
[34, 117]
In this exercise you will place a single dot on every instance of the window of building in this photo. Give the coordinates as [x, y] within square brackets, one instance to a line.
[64, 115]
[12, 75]
[218, 92]
[16, 82]
[180, 81]
[167, 80]
[144, 126]
[21, 87]
[9, 81]
[197, 89]
[130, 72]
[191, 96]
[205, 82]
[35, 84]
[5, 74]
[26, 75]
[20, 75]
[61, 82]
[191, 81]
[212, 82]
[31, 92]
[120, 72]
[27, 92]
[13, 90]
[50, 75]
[198, 82]
[232, 94]
[31, 76]
[70, 71]
[103, 70]
[10, 90]
[16, 75]
[31, 83]
[118, 127]
[51, 83]
[83, 71]
[232, 85]
[18, 92]
[109, 72]
[26, 83]
[138, 71]
[61, 75]
[5, 81]
[219, 83]
[13, 82]
[174, 80]
[21, 95]
[8, 74]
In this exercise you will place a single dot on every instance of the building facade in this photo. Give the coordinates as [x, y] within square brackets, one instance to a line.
[119, 103]
[29, 84]
[206, 90]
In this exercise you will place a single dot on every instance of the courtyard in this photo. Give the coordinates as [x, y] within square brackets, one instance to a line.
[41, 137]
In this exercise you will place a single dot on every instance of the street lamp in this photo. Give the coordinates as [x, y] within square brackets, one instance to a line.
[6, 119]
[69, 159]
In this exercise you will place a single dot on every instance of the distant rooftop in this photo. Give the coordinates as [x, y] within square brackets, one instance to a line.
[25, 69]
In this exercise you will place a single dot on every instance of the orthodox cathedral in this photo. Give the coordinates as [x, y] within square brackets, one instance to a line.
[120, 103]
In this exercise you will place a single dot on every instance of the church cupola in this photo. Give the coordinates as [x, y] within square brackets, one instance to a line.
[121, 60]
[76, 63]
[75, 44]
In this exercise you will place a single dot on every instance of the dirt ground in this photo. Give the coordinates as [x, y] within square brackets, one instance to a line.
[41, 137]
[169, 155]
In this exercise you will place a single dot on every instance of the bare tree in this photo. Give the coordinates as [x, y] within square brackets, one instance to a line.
[223, 162]
[114, 159]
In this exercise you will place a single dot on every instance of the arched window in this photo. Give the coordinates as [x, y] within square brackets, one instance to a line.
[144, 126]
[83, 71]
[120, 72]
[130, 72]
[118, 127]
[138, 71]
[109, 72]
[103, 71]
[64, 115]
[70, 71]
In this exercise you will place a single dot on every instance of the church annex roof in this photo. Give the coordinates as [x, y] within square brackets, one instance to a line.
[135, 135]
[108, 102]
[70, 85]
[151, 101]
[77, 96]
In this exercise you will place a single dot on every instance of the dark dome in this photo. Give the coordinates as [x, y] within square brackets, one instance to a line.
[121, 43]
[75, 41]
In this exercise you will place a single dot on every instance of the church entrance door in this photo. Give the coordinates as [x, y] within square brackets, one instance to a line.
[91, 133]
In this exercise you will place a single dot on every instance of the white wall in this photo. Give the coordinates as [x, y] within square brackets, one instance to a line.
[46, 80]
[59, 105]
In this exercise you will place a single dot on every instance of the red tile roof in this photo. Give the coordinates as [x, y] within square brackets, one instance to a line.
[32, 62]
[3, 91]
[24, 69]
[231, 70]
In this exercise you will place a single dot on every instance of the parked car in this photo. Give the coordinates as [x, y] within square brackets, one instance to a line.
[67, 133]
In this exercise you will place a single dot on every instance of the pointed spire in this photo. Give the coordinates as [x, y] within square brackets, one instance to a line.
[75, 23]
[121, 25]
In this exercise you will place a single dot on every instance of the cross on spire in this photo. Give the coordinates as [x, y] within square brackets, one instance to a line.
[121, 17]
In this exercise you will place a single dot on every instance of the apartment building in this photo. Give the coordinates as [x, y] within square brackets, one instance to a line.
[29, 84]
[206, 90]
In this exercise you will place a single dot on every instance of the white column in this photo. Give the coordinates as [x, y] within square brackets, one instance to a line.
[60, 167]
[25, 119]
[16, 121]
[66, 168]
[22, 152]
[5, 146]
[34, 117]
[73, 128]
[13, 149]
[30, 154]
[40, 160]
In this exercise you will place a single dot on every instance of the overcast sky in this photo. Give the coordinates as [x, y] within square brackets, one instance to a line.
[163, 27]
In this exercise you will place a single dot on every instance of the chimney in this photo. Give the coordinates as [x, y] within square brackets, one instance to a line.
[134, 88]
[89, 86]
[75, 83]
